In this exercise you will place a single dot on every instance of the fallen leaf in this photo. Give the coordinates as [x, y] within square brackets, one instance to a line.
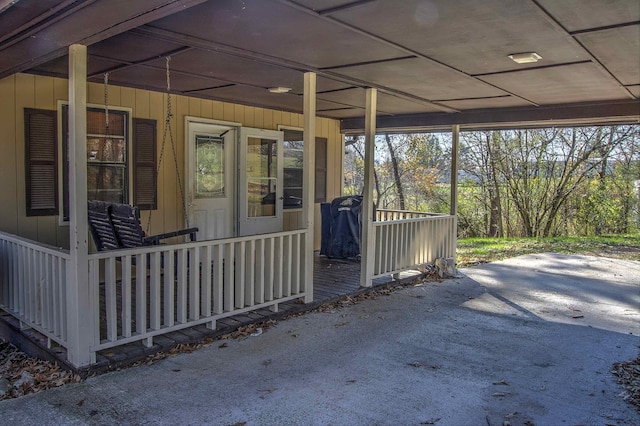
[501, 382]
[340, 324]
[499, 394]
[222, 346]
[266, 362]
[79, 403]
[269, 390]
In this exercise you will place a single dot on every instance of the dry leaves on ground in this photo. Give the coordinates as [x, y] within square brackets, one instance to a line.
[21, 374]
[629, 377]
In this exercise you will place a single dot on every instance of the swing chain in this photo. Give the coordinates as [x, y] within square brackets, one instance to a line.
[168, 129]
[106, 101]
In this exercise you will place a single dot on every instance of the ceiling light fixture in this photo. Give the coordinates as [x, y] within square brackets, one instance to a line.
[525, 58]
[279, 89]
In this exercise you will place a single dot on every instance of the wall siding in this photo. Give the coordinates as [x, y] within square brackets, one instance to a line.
[30, 91]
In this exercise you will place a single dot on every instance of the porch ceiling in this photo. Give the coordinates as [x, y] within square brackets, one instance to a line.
[435, 62]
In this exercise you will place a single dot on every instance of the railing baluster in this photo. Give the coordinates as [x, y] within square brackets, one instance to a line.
[296, 260]
[110, 299]
[239, 267]
[154, 292]
[126, 295]
[229, 276]
[286, 285]
[169, 288]
[249, 279]
[259, 268]
[268, 267]
[141, 293]
[194, 284]
[181, 288]
[205, 281]
[278, 265]
[218, 279]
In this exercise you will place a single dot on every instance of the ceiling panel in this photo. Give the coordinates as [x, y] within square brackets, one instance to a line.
[584, 14]
[574, 83]
[342, 113]
[421, 78]
[261, 97]
[472, 36]
[276, 29]
[156, 79]
[485, 103]
[395, 105]
[234, 69]
[60, 66]
[319, 5]
[612, 48]
[22, 12]
[121, 45]
[635, 89]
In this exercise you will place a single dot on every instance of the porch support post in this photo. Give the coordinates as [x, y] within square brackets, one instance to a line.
[79, 315]
[309, 179]
[367, 243]
[455, 148]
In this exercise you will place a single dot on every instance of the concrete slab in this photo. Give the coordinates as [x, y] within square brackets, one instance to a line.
[531, 339]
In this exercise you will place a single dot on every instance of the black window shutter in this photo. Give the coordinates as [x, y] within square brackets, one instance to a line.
[41, 162]
[321, 170]
[144, 164]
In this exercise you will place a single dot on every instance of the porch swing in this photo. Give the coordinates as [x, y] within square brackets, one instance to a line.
[117, 226]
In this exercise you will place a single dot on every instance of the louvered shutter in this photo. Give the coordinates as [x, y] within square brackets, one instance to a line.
[41, 165]
[321, 170]
[144, 164]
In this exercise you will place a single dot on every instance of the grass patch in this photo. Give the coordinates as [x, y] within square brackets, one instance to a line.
[474, 251]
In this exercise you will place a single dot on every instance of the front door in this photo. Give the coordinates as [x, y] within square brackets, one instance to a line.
[260, 179]
[211, 179]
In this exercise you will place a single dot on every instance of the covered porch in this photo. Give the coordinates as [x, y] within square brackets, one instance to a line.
[140, 307]
[336, 68]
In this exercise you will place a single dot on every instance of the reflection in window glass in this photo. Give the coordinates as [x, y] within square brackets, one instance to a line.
[210, 173]
[261, 177]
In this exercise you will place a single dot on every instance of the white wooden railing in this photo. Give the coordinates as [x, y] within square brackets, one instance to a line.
[387, 214]
[145, 292]
[33, 280]
[407, 243]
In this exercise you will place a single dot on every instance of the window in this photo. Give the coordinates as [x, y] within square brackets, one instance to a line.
[293, 166]
[107, 157]
[107, 160]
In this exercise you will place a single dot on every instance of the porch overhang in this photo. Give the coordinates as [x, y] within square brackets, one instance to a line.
[434, 63]
[604, 113]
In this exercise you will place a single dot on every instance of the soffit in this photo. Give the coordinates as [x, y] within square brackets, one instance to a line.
[425, 57]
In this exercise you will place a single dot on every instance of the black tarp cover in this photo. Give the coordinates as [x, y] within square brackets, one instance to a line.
[341, 227]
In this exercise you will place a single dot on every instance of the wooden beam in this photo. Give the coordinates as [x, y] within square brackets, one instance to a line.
[367, 243]
[308, 177]
[622, 111]
[80, 315]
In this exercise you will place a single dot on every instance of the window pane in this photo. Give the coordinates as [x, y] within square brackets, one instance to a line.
[108, 150]
[106, 183]
[261, 180]
[209, 166]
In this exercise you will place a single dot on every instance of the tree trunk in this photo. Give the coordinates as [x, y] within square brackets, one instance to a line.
[396, 172]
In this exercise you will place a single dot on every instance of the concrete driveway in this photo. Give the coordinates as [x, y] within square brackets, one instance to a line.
[529, 340]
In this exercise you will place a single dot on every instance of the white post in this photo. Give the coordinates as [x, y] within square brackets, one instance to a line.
[309, 178]
[455, 148]
[367, 243]
[79, 315]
